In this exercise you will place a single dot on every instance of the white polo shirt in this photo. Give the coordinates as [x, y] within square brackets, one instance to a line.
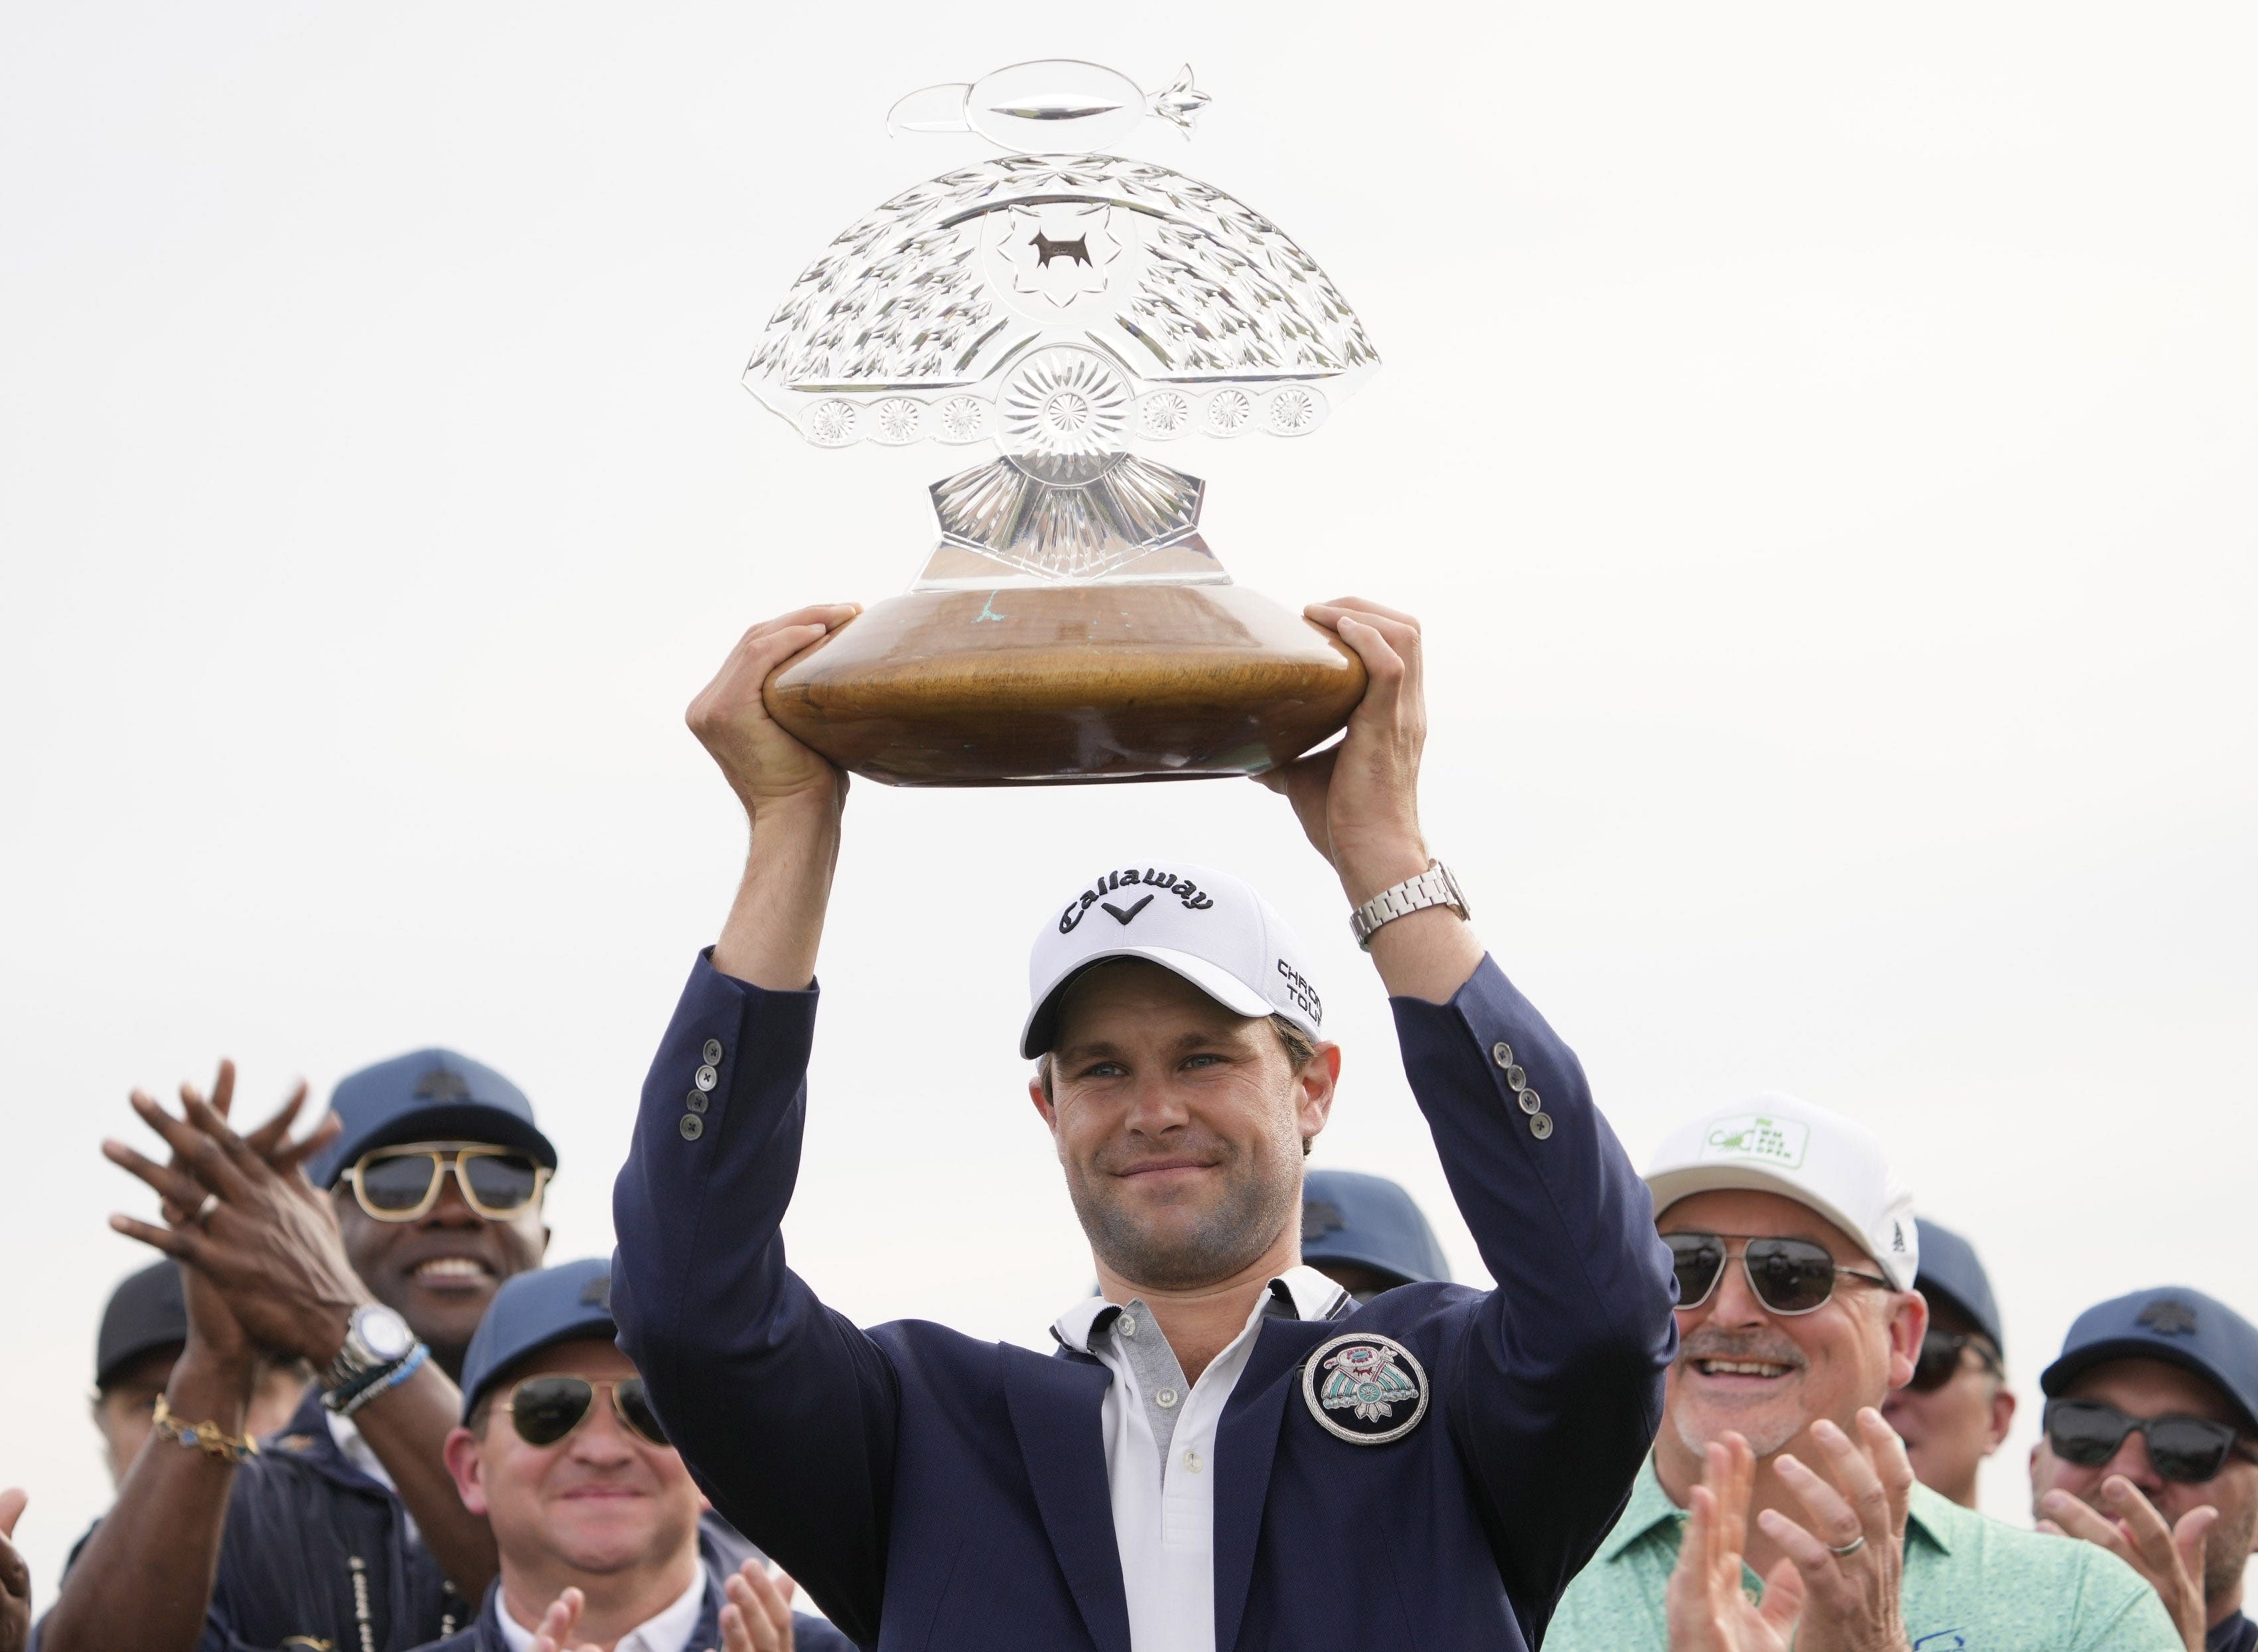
[1160, 1451]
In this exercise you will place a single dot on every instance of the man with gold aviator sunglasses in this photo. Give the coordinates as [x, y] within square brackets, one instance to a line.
[371, 1249]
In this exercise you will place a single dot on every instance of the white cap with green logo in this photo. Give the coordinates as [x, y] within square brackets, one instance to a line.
[1776, 1143]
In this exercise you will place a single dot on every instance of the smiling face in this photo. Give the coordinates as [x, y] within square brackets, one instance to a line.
[1180, 1125]
[2153, 1388]
[601, 1501]
[1771, 1376]
[439, 1272]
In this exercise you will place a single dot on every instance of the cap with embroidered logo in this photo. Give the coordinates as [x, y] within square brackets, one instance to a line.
[533, 1310]
[426, 1095]
[2170, 1322]
[1777, 1143]
[1205, 925]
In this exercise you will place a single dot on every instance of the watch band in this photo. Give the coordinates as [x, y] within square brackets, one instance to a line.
[356, 1362]
[346, 1402]
[1434, 887]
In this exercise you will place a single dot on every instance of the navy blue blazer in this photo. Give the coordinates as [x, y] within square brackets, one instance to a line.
[932, 1491]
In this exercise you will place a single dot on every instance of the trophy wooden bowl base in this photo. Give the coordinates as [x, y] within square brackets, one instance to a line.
[1054, 684]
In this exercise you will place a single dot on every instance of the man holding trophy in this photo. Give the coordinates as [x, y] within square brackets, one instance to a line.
[1226, 1451]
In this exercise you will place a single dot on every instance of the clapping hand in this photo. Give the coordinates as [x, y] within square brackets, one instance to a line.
[758, 1617]
[239, 1211]
[1852, 1556]
[16, 1579]
[558, 1623]
[214, 1332]
[1709, 1611]
[2170, 1558]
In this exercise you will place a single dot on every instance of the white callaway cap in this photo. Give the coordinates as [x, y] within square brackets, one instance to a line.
[1776, 1143]
[1209, 927]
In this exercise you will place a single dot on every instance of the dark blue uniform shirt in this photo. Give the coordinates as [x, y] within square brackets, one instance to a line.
[317, 1553]
[939, 1493]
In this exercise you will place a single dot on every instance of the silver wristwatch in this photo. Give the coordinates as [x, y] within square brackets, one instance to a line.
[1434, 887]
[376, 1339]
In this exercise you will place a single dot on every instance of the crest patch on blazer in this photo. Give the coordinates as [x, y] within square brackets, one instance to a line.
[1366, 1389]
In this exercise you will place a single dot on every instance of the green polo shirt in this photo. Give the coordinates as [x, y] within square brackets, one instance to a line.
[1971, 1584]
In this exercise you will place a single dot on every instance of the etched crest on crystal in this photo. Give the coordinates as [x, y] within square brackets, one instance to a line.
[1066, 304]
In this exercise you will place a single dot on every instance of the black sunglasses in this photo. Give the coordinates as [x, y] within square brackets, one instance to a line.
[1938, 1362]
[1788, 1276]
[2089, 1432]
[545, 1409]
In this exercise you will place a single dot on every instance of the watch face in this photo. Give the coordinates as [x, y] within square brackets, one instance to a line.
[384, 1333]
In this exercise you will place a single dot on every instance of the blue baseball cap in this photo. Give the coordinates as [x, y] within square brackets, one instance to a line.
[427, 1095]
[1950, 1270]
[2169, 1323]
[532, 1311]
[1368, 1220]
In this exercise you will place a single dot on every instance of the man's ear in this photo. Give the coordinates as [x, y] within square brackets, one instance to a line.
[1314, 1088]
[1043, 1105]
[1908, 1324]
[465, 1460]
[2003, 1417]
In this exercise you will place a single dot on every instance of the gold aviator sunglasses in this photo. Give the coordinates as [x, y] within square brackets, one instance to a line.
[402, 1183]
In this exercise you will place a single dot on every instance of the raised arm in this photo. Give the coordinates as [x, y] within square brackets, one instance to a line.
[1560, 1388]
[143, 1582]
[270, 1246]
[785, 1411]
[793, 799]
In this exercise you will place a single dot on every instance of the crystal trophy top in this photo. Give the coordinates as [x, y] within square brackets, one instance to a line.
[1070, 305]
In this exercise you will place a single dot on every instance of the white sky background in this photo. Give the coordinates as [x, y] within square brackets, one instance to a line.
[1817, 439]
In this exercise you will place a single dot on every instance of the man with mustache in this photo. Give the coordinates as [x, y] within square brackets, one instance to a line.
[344, 1527]
[1795, 1250]
[1226, 1451]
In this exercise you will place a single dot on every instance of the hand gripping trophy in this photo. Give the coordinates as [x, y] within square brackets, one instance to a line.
[1066, 305]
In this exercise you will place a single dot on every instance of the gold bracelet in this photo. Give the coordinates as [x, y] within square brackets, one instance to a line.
[209, 1437]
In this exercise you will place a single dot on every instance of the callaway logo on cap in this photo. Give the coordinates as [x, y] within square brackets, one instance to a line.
[1207, 926]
